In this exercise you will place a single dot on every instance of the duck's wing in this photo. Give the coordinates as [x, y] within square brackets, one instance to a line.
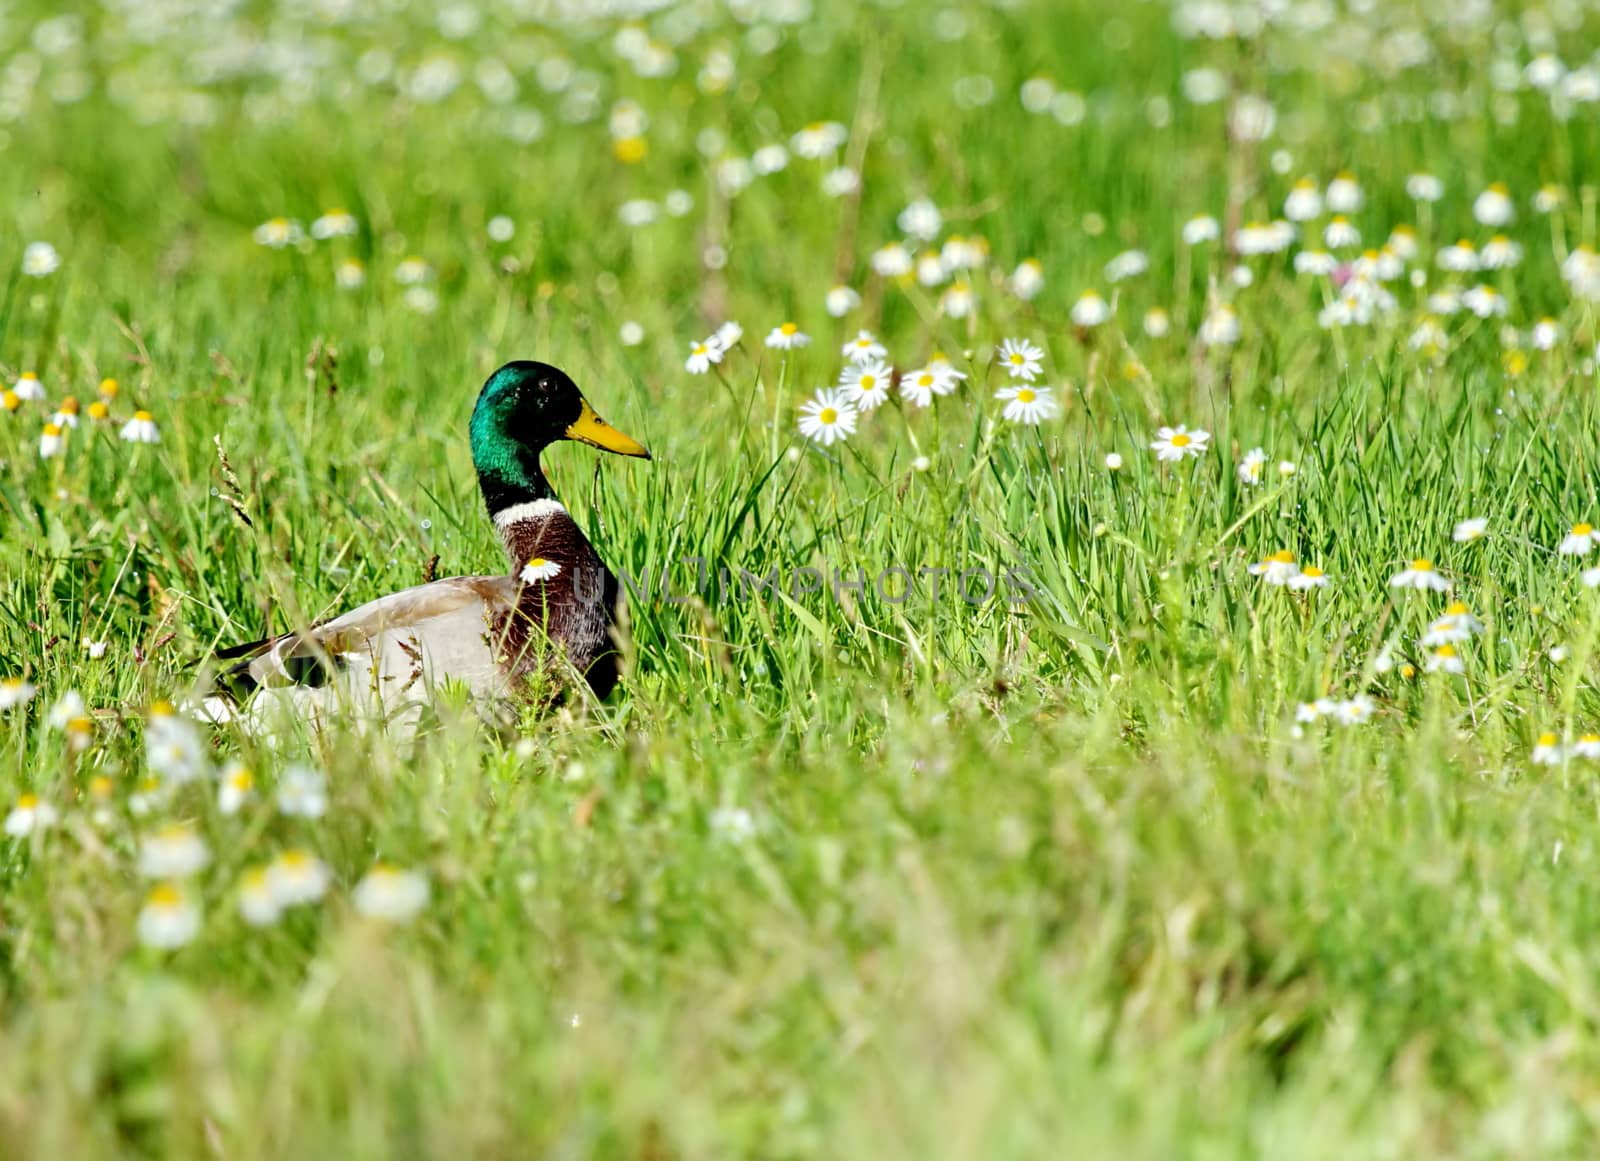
[388, 652]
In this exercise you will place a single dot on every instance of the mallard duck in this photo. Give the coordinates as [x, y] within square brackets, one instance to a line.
[549, 615]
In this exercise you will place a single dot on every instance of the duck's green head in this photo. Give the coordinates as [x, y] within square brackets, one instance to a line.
[523, 408]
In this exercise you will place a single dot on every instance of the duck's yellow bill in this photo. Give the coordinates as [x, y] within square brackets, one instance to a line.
[589, 428]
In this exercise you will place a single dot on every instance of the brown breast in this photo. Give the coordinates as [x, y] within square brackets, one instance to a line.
[573, 610]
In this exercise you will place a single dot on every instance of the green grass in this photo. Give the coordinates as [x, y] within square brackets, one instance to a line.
[1060, 877]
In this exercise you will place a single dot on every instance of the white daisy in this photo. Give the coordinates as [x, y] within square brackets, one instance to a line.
[1445, 659]
[703, 355]
[1493, 207]
[1579, 541]
[173, 852]
[28, 386]
[31, 813]
[1203, 228]
[15, 692]
[1128, 264]
[141, 429]
[235, 789]
[1484, 301]
[1308, 578]
[1090, 310]
[1420, 574]
[1547, 751]
[1026, 404]
[840, 301]
[866, 385]
[1469, 530]
[1501, 253]
[539, 568]
[168, 919]
[298, 877]
[921, 385]
[1250, 468]
[1220, 328]
[864, 349]
[1278, 569]
[787, 337]
[257, 906]
[1027, 280]
[342, 224]
[818, 139]
[728, 335]
[1344, 194]
[173, 748]
[1174, 443]
[1021, 359]
[391, 894]
[921, 220]
[276, 233]
[1457, 625]
[1304, 201]
[1424, 187]
[828, 417]
[1340, 233]
[68, 708]
[891, 261]
[1354, 711]
[39, 259]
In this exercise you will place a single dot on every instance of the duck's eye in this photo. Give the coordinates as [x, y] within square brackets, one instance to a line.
[544, 385]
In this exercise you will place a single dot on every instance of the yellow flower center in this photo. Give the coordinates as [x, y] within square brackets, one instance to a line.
[142, 416]
[28, 802]
[11, 400]
[69, 406]
[789, 329]
[1026, 396]
[1180, 440]
[1590, 739]
[52, 429]
[1456, 609]
[1583, 529]
[1016, 359]
[295, 859]
[241, 780]
[1547, 739]
[537, 562]
[109, 387]
[100, 786]
[98, 410]
[165, 895]
[828, 415]
[868, 382]
[1312, 571]
[1421, 565]
[1446, 651]
[1282, 556]
[924, 380]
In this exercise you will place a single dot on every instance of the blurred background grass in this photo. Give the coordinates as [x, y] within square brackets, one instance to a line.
[1021, 880]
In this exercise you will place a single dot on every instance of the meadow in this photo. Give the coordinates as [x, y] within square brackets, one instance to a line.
[1125, 681]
